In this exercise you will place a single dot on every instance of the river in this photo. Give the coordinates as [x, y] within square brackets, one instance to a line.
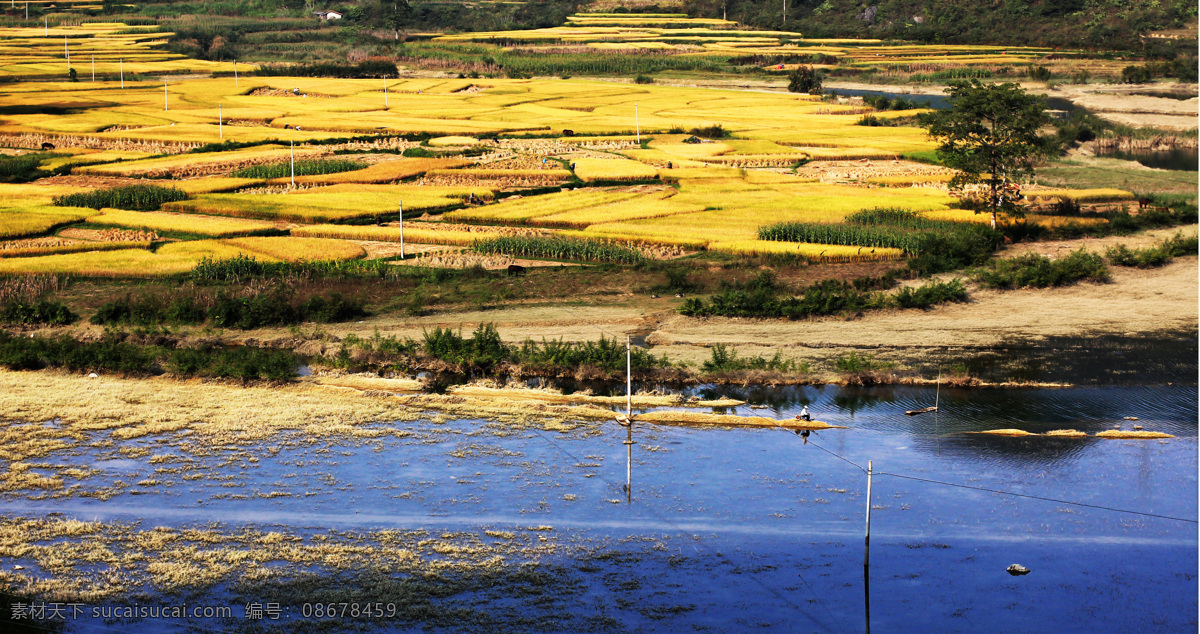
[721, 529]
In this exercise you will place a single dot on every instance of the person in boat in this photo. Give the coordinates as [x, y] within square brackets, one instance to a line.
[804, 415]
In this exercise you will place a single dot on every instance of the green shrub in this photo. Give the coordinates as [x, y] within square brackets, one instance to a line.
[1144, 258]
[1039, 271]
[931, 294]
[643, 79]
[243, 363]
[19, 311]
[418, 152]
[135, 197]
[727, 360]
[1153, 256]
[149, 311]
[110, 354]
[853, 363]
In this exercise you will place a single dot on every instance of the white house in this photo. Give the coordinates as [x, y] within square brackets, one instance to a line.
[328, 15]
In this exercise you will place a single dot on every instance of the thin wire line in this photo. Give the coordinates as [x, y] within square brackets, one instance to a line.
[1014, 494]
[814, 443]
[1038, 497]
[705, 546]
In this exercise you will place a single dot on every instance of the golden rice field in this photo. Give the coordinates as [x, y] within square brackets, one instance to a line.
[114, 47]
[16, 222]
[824, 252]
[325, 204]
[214, 226]
[385, 172]
[169, 259]
[590, 169]
[681, 35]
[295, 249]
[413, 232]
[694, 195]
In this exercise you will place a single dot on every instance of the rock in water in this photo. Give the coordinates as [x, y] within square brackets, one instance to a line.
[1017, 570]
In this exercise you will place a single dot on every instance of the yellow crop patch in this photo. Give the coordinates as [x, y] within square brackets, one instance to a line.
[296, 249]
[184, 223]
[590, 169]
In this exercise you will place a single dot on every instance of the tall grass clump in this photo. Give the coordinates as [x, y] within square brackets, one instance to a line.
[725, 359]
[110, 354]
[134, 197]
[243, 363]
[242, 268]
[1039, 271]
[40, 312]
[313, 167]
[21, 168]
[558, 249]
[274, 308]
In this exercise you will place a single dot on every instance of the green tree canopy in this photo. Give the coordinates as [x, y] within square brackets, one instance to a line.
[991, 135]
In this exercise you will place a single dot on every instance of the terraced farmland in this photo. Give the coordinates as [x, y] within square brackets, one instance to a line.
[603, 163]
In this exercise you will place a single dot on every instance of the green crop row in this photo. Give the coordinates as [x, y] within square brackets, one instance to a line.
[311, 167]
[558, 249]
[135, 197]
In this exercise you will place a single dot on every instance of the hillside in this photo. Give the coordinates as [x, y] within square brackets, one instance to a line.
[1110, 24]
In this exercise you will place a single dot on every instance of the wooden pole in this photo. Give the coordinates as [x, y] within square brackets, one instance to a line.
[235, 77]
[93, 68]
[867, 553]
[629, 463]
[122, 74]
[402, 230]
[165, 106]
[293, 163]
[628, 377]
[220, 121]
[636, 124]
[385, 99]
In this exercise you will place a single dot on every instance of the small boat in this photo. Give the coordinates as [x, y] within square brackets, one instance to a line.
[923, 410]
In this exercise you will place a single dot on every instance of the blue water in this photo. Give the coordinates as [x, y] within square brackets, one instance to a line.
[735, 529]
[1181, 159]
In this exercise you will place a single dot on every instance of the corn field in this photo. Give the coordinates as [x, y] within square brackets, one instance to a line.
[844, 234]
[559, 249]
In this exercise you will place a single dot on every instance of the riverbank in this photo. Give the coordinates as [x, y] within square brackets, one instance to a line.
[989, 340]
